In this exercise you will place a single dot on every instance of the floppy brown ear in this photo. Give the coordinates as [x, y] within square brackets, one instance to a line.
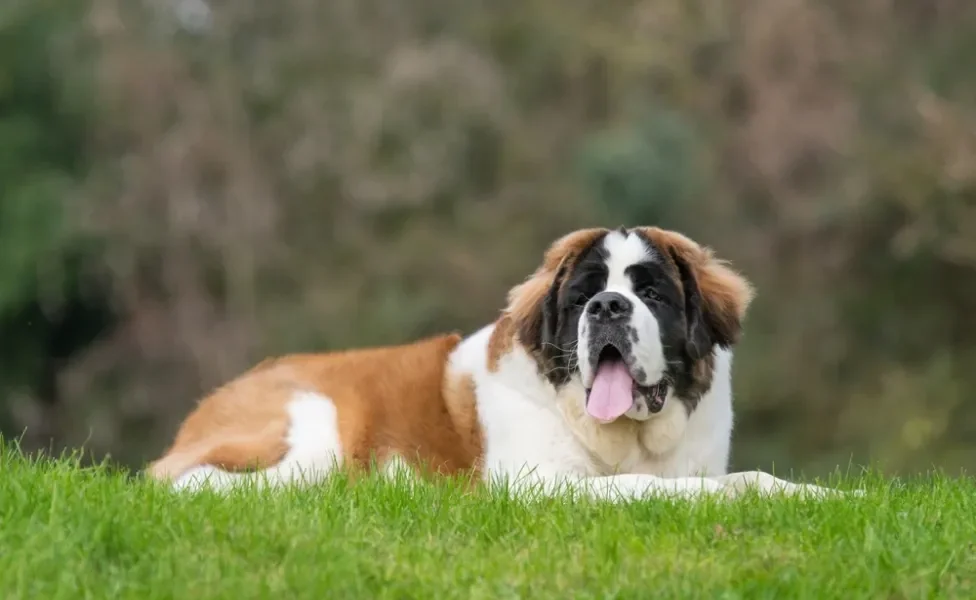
[533, 304]
[716, 297]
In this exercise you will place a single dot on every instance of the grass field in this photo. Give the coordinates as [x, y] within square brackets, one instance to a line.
[68, 532]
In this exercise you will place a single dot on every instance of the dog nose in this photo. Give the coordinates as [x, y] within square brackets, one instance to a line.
[609, 306]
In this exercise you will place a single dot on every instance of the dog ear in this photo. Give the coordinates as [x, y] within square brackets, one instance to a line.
[533, 305]
[716, 297]
[539, 327]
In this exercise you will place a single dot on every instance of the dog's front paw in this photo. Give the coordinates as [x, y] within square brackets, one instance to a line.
[767, 485]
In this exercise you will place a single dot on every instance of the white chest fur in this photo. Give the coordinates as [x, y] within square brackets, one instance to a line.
[526, 422]
[624, 445]
[670, 444]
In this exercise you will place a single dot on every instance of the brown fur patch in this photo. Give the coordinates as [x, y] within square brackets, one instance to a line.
[726, 294]
[570, 246]
[524, 310]
[394, 400]
[524, 300]
[460, 397]
[701, 377]
[242, 425]
[500, 342]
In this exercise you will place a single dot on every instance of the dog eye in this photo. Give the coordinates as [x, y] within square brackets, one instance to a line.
[578, 298]
[649, 293]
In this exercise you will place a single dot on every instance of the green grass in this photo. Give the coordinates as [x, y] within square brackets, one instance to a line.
[72, 532]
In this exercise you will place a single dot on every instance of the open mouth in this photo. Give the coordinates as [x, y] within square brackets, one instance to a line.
[614, 389]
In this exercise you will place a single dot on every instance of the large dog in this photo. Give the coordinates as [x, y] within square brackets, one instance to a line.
[608, 374]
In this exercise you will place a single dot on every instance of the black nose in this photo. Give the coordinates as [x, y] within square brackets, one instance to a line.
[609, 306]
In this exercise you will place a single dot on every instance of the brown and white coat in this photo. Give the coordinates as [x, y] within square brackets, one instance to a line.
[608, 373]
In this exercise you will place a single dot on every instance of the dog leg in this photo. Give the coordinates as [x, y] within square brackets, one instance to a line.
[766, 484]
[627, 487]
[616, 488]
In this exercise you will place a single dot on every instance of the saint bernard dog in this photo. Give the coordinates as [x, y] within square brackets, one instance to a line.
[608, 374]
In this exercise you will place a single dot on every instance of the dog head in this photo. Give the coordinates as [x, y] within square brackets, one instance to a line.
[633, 315]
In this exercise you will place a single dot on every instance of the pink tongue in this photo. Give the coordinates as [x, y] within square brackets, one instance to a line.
[612, 393]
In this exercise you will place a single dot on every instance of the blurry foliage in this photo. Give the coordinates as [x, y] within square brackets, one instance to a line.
[188, 186]
[41, 148]
[44, 309]
[646, 172]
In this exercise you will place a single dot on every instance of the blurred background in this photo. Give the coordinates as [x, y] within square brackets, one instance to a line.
[189, 185]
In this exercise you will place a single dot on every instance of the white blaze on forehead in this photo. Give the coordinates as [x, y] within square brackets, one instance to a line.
[623, 250]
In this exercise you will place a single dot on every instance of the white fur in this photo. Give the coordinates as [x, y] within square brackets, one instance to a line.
[314, 445]
[540, 442]
[623, 251]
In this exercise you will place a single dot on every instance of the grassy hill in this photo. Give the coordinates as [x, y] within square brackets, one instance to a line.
[73, 532]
